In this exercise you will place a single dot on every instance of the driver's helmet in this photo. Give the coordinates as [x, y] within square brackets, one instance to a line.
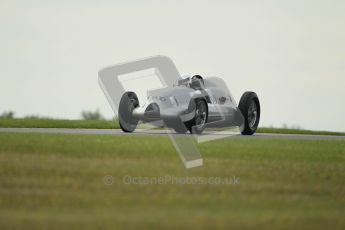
[197, 82]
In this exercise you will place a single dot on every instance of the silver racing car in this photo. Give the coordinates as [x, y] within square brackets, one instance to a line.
[191, 104]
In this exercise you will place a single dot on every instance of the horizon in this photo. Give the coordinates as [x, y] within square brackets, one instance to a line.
[291, 53]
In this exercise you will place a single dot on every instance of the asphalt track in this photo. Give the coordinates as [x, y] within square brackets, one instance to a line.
[151, 132]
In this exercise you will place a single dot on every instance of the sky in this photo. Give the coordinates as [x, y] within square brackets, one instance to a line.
[292, 53]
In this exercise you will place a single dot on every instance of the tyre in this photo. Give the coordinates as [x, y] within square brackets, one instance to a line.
[250, 108]
[198, 123]
[129, 101]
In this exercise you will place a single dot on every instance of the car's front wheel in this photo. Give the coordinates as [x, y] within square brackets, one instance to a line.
[198, 124]
[250, 109]
[129, 101]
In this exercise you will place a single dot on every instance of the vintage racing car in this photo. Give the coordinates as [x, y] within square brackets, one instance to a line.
[191, 104]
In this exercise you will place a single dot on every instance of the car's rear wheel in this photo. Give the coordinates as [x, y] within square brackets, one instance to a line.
[250, 108]
[129, 101]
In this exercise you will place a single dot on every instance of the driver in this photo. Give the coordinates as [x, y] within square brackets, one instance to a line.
[197, 82]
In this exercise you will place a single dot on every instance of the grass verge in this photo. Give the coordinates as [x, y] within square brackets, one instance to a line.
[56, 181]
[113, 124]
[58, 123]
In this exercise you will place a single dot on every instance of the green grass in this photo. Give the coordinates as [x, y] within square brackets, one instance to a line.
[298, 131]
[55, 181]
[113, 124]
[58, 123]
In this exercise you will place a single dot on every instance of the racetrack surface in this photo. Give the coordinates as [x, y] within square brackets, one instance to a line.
[165, 132]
